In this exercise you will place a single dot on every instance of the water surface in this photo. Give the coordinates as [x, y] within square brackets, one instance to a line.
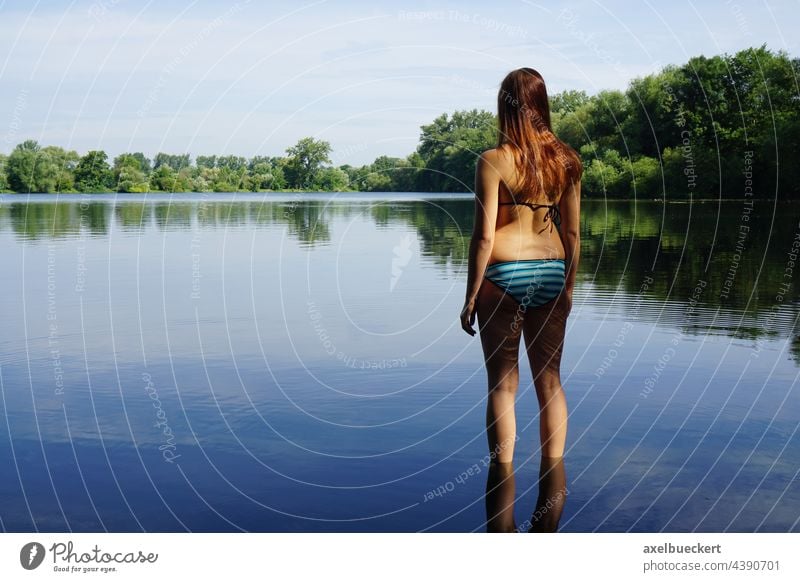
[270, 362]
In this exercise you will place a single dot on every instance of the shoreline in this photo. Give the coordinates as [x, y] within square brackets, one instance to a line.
[354, 193]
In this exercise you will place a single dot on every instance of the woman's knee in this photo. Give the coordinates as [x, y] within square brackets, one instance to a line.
[548, 386]
[506, 385]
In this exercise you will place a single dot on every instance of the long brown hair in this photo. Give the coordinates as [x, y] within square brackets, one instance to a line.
[547, 166]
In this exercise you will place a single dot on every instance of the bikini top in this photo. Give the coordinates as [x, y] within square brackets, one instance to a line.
[553, 212]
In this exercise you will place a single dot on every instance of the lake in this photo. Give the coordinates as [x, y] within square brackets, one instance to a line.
[294, 362]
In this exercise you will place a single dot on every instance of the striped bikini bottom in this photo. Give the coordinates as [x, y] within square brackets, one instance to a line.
[530, 281]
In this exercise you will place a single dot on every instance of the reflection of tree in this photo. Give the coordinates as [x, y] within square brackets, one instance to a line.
[225, 214]
[170, 215]
[622, 243]
[440, 225]
[697, 243]
[94, 217]
[308, 221]
[685, 243]
[794, 348]
[133, 215]
[679, 246]
[37, 220]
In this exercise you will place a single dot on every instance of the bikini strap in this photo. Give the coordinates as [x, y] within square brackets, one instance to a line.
[553, 212]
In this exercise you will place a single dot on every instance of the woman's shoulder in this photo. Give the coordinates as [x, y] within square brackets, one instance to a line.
[501, 150]
[499, 157]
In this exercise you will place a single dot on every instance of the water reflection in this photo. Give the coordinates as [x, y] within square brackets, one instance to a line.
[551, 498]
[500, 495]
[645, 255]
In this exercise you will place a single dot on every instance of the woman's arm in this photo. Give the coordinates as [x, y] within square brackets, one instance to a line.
[487, 183]
[570, 208]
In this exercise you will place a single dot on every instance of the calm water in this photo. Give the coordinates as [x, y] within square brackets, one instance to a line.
[295, 363]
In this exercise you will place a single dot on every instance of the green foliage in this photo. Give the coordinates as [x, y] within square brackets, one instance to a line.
[278, 181]
[702, 119]
[646, 178]
[228, 179]
[93, 173]
[22, 166]
[3, 173]
[377, 182]
[602, 177]
[331, 180]
[31, 168]
[206, 161]
[449, 147]
[175, 162]
[306, 159]
[167, 179]
[144, 162]
[233, 163]
[567, 102]
[129, 174]
[56, 169]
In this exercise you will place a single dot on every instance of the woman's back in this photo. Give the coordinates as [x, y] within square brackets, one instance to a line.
[522, 231]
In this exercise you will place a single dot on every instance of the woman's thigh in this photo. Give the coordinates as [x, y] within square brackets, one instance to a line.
[544, 328]
[500, 322]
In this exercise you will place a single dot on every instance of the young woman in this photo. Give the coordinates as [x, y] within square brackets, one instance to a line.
[522, 264]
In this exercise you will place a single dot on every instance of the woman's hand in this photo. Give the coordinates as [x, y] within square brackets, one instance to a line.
[468, 316]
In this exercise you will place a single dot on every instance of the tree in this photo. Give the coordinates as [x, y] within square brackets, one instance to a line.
[128, 174]
[331, 180]
[32, 168]
[568, 101]
[235, 163]
[3, 175]
[376, 182]
[408, 173]
[278, 181]
[144, 162]
[166, 179]
[450, 147]
[174, 161]
[22, 166]
[229, 179]
[206, 161]
[55, 169]
[647, 176]
[261, 174]
[306, 158]
[93, 173]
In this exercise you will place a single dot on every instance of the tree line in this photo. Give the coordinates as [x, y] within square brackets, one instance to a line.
[713, 127]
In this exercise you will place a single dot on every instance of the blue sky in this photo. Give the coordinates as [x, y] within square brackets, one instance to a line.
[251, 78]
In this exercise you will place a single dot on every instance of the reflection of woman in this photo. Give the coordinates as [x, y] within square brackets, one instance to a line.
[523, 259]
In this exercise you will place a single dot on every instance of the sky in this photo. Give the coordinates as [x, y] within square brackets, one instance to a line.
[252, 78]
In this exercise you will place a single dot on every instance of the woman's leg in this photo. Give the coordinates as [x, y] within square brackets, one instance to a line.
[500, 325]
[544, 329]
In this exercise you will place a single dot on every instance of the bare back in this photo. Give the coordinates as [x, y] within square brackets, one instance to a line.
[521, 232]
